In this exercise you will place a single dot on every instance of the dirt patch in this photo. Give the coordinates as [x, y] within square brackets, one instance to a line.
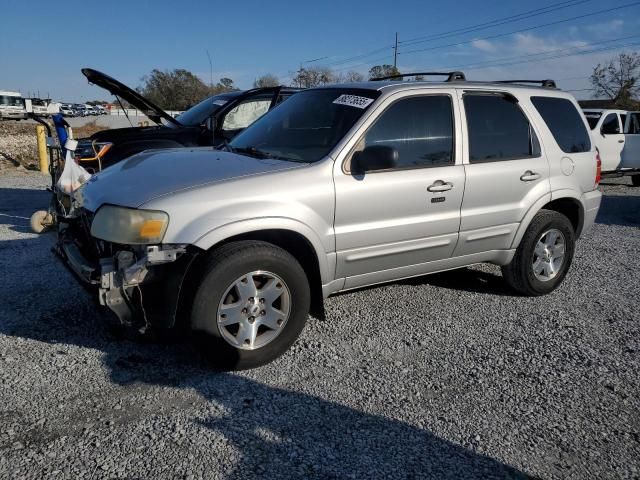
[18, 143]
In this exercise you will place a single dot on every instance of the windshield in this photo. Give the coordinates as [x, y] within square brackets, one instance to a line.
[11, 101]
[306, 127]
[592, 119]
[199, 113]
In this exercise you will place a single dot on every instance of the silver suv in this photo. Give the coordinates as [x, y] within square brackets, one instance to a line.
[337, 188]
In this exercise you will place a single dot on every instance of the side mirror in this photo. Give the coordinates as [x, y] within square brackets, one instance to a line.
[375, 157]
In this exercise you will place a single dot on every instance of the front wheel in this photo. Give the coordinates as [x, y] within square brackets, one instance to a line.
[635, 180]
[251, 304]
[544, 255]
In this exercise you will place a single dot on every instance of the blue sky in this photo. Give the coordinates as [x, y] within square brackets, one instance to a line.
[43, 49]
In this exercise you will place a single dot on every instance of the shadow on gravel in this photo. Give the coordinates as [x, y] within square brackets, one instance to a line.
[466, 279]
[293, 434]
[622, 210]
[290, 434]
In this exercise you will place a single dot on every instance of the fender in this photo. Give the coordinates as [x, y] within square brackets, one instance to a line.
[326, 260]
[524, 223]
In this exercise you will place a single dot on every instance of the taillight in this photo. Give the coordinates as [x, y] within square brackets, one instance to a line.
[598, 168]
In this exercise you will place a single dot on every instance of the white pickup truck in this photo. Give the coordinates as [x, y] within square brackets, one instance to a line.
[616, 134]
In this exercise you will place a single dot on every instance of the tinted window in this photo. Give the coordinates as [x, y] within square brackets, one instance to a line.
[592, 119]
[498, 130]
[419, 128]
[610, 125]
[565, 123]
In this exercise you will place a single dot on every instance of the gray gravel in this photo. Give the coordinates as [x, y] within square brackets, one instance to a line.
[445, 376]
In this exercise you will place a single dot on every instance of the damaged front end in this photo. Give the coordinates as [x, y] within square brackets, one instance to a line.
[141, 284]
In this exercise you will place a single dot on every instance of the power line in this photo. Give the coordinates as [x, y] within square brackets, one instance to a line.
[491, 37]
[539, 54]
[496, 22]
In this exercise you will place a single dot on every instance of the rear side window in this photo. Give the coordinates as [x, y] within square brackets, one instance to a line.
[565, 123]
[498, 129]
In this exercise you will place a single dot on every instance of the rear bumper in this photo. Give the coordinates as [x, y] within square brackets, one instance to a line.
[591, 201]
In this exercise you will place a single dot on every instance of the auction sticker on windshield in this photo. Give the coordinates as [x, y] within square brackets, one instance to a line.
[353, 101]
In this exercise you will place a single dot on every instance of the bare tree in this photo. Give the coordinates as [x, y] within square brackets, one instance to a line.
[312, 77]
[618, 80]
[267, 80]
[383, 71]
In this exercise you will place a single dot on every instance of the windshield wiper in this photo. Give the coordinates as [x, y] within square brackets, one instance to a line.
[256, 153]
[253, 152]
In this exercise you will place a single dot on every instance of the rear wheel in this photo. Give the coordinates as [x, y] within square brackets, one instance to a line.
[544, 255]
[251, 304]
[635, 180]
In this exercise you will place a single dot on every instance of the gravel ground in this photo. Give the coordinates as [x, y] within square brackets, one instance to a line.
[445, 376]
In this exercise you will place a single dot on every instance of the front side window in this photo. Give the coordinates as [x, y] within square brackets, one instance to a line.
[565, 123]
[610, 125]
[420, 129]
[498, 129]
[307, 126]
[245, 113]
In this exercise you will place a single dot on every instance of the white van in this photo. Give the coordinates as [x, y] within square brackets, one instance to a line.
[12, 106]
[616, 134]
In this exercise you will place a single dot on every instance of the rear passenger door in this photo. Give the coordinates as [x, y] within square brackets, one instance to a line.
[505, 171]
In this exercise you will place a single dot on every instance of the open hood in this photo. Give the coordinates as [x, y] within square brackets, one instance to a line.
[114, 87]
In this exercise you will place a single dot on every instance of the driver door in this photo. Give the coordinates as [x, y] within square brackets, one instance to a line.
[611, 142]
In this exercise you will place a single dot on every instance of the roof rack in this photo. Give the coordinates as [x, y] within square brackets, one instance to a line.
[543, 83]
[451, 76]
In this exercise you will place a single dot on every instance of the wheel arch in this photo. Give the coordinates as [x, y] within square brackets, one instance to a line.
[306, 250]
[567, 203]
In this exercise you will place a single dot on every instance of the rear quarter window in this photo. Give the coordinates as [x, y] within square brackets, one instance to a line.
[565, 123]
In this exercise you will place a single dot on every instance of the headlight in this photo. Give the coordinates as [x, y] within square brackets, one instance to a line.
[129, 226]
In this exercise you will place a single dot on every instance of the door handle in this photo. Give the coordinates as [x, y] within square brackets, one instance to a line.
[620, 141]
[529, 176]
[440, 186]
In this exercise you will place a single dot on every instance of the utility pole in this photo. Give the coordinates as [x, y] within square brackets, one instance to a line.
[210, 70]
[395, 52]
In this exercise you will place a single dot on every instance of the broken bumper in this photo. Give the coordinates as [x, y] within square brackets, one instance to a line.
[142, 287]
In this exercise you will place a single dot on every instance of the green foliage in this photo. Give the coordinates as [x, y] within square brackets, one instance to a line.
[179, 89]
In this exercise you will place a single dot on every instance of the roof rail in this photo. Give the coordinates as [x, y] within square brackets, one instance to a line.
[451, 76]
[543, 83]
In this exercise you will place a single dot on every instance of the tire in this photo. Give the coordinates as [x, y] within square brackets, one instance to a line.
[267, 326]
[528, 276]
[635, 180]
[40, 221]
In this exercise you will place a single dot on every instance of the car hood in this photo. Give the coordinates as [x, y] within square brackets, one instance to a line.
[118, 89]
[155, 173]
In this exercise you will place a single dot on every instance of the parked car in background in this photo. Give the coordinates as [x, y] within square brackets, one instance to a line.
[616, 134]
[67, 110]
[80, 110]
[44, 107]
[12, 106]
[213, 121]
[338, 188]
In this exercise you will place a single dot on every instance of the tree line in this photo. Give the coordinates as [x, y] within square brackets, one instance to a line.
[179, 89]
